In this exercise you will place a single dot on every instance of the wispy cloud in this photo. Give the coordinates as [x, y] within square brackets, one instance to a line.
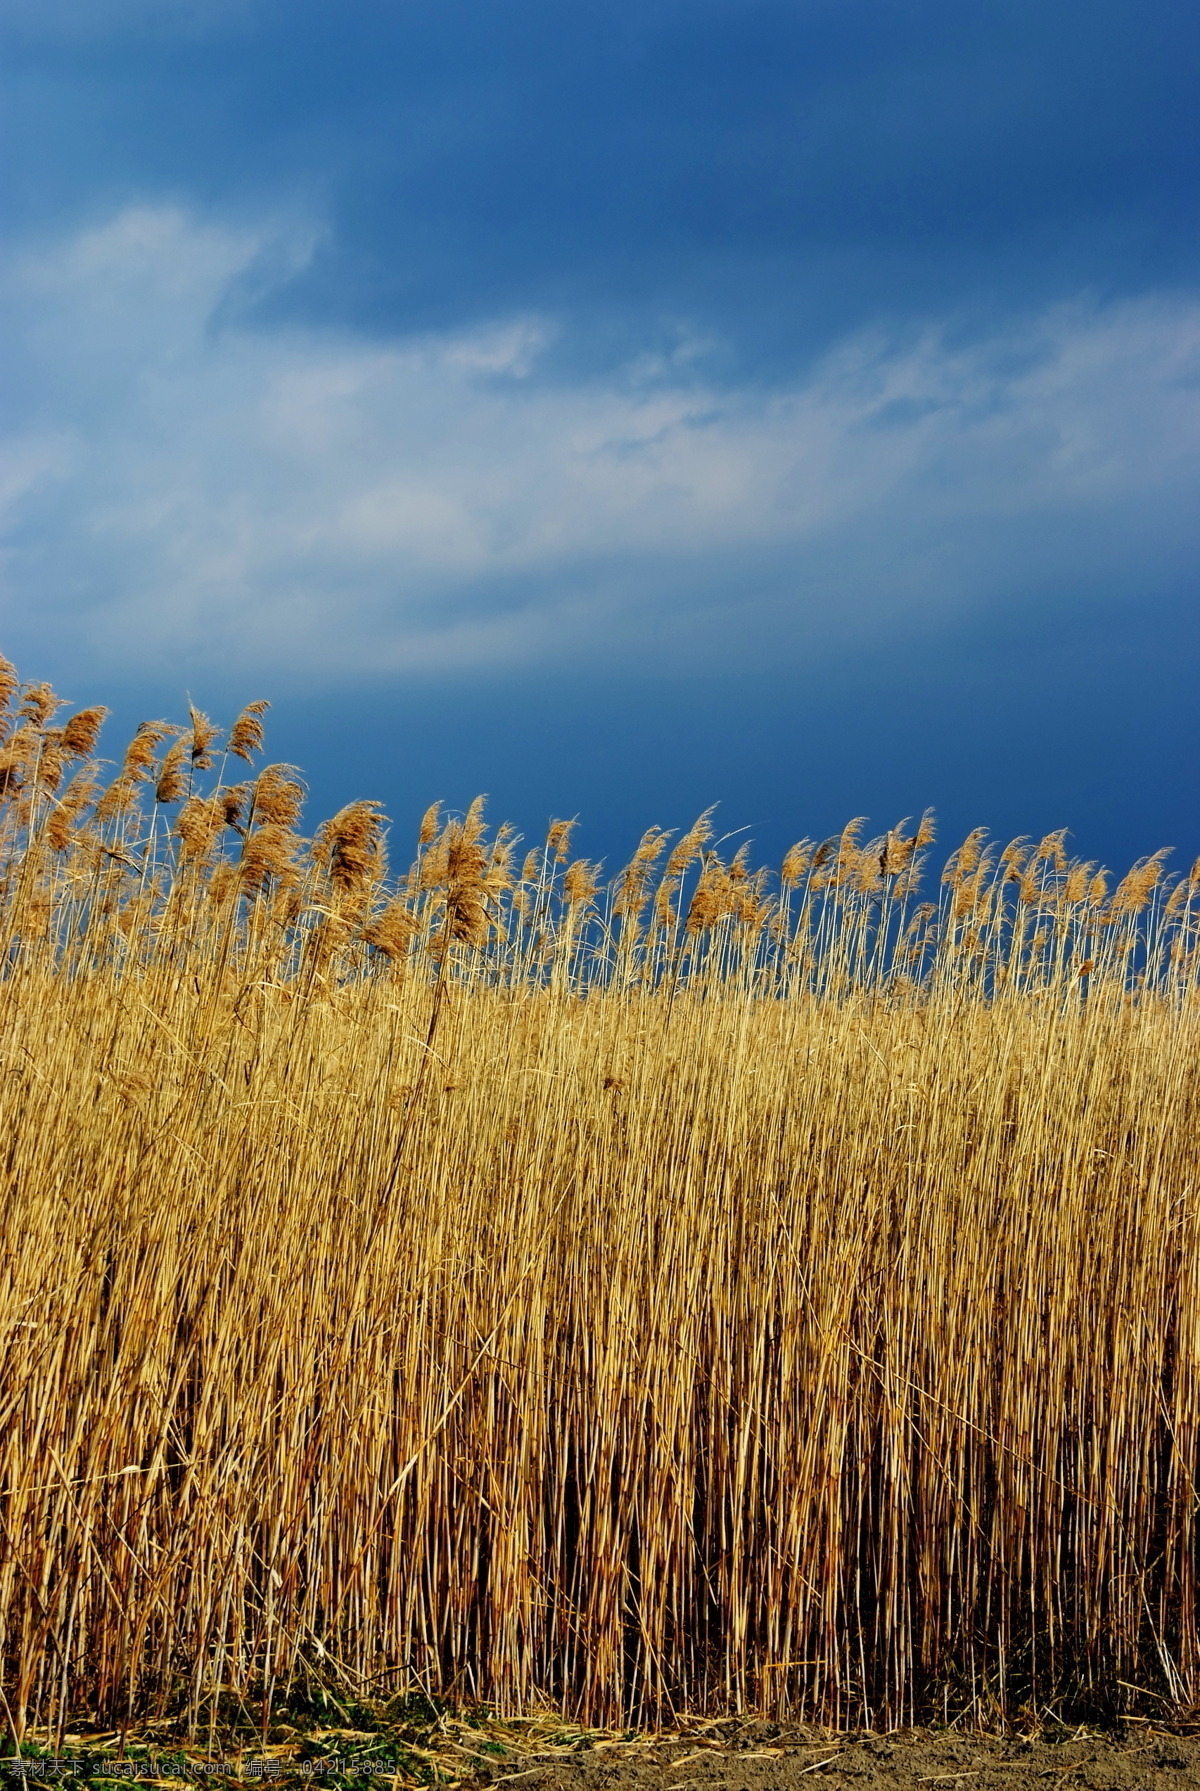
[176, 480]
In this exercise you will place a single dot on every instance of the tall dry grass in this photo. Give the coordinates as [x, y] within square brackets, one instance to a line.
[699, 1290]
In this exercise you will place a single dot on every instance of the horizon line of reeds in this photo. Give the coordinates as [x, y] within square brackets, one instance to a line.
[171, 855]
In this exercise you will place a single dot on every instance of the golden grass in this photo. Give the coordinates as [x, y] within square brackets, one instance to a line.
[718, 1294]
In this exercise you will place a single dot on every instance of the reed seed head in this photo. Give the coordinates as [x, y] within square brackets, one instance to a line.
[171, 783]
[67, 812]
[962, 862]
[10, 683]
[140, 761]
[234, 800]
[246, 734]
[690, 845]
[393, 930]
[81, 732]
[202, 738]
[558, 840]
[633, 884]
[581, 880]
[350, 847]
[38, 705]
[1138, 885]
[199, 825]
[276, 796]
[268, 858]
[710, 899]
[796, 861]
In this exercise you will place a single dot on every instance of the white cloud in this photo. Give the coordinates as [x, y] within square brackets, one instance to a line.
[176, 484]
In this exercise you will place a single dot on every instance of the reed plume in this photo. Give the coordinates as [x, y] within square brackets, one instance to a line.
[81, 732]
[201, 740]
[38, 705]
[10, 683]
[558, 840]
[137, 768]
[796, 861]
[276, 796]
[246, 735]
[463, 868]
[350, 848]
[171, 784]
[393, 930]
[68, 811]
[199, 825]
[268, 858]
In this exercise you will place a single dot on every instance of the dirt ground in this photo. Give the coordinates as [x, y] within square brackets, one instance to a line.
[412, 1742]
[762, 1757]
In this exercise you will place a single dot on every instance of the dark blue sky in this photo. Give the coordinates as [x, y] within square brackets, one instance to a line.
[621, 407]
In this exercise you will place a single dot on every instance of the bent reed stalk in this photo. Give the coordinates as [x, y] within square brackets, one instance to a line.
[704, 1291]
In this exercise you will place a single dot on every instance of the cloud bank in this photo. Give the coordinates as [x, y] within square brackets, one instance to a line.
[177, 480]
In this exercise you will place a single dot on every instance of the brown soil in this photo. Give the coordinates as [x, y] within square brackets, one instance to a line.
[763, 1757]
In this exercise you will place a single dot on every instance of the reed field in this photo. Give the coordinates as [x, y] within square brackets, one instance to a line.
[703, 1289]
